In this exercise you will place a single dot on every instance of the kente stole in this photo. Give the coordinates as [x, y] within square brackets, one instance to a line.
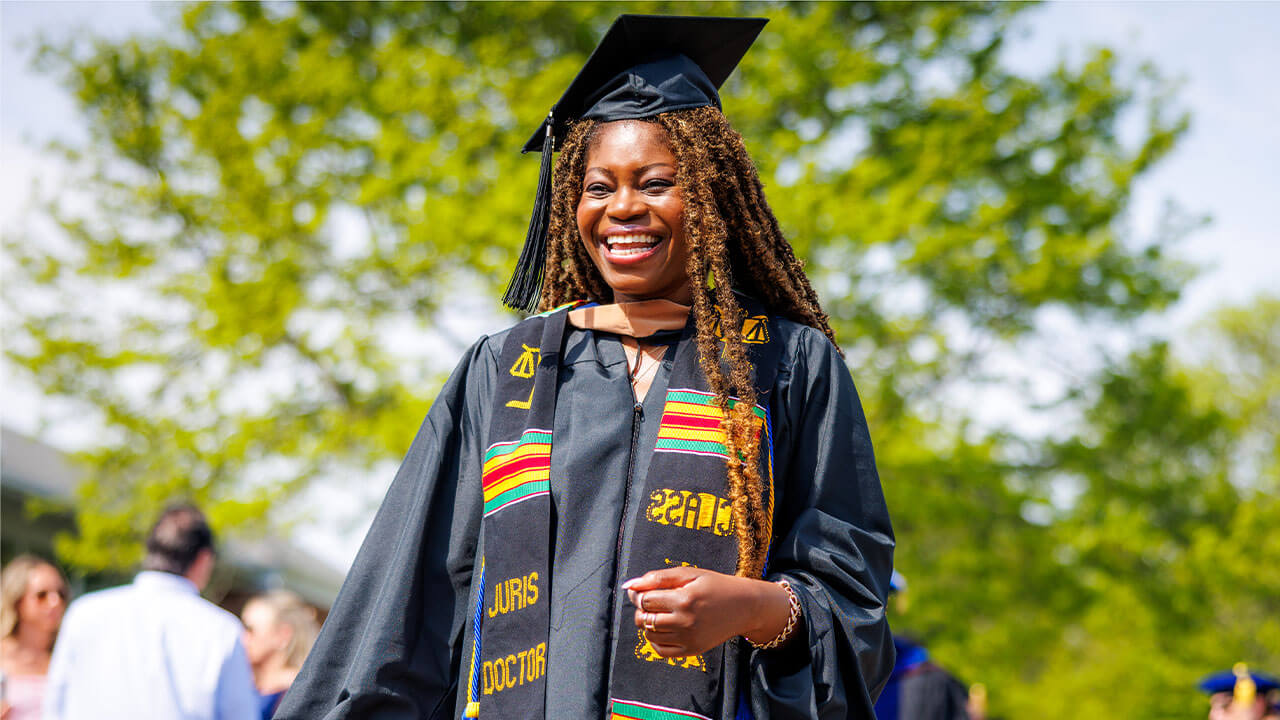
[687, 520]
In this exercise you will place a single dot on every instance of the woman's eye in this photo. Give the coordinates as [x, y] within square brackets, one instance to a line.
[658, 185]
[597, 189]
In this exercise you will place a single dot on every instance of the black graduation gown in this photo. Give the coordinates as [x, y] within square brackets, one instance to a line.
[397, 640]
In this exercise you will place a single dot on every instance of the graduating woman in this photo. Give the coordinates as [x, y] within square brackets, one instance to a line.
[657, 498]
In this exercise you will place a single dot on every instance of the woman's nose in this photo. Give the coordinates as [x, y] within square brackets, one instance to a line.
[626, 203]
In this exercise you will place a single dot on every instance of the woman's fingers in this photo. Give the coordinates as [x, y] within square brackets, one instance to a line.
[665, 578]
[669, 650]
[667, 643]
[663, 601]
[686, 610]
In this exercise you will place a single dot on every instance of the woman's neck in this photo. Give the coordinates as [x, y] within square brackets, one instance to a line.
[273, 675]
[27, 651]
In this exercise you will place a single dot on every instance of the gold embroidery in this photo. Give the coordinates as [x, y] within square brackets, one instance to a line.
[755, 329]
[645, 651]
[513, 670]
[514, 594]
[523, 368]
[687, 509]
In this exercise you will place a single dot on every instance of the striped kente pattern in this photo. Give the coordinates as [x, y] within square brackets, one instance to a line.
[516, 471]
[632, 710]
[691, 424]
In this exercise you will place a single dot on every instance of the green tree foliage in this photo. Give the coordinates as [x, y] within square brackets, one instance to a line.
[1171, 536]
[282, 194]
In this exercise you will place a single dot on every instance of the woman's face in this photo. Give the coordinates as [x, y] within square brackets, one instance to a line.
[263, 635]
[631, 213]
[44, 601]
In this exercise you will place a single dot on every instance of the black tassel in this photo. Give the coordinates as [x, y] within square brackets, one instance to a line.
[525, 290]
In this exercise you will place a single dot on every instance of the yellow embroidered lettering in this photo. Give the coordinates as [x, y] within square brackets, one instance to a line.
[696, 511]
[691, 511]
[514, 670]
[724, 518]
[657, 499]
[663, 500]
[516, 593]
[676, 513]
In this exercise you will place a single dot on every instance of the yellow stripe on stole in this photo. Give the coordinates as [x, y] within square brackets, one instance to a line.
[684, 408]
[674, 433]
[519, 478]
[519, 453]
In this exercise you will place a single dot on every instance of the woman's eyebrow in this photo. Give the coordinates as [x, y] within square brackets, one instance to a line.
[639, 171]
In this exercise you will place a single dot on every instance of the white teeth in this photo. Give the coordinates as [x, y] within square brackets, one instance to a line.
[624, 252]
[624, 245]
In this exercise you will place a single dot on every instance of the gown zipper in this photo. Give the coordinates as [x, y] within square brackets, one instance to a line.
[637, 414]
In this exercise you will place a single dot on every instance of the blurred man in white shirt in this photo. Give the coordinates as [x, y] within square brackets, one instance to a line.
[154, 648]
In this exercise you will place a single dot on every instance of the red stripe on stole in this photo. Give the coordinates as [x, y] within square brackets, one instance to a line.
[696, 422]
[532, 462]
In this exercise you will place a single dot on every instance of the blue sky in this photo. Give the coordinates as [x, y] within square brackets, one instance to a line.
[1227, 166]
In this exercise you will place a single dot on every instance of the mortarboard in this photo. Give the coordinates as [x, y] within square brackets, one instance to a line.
[897, 582]
[644, 65]
[1225, 681]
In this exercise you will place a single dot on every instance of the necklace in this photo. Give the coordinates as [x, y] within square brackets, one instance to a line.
[636, 374]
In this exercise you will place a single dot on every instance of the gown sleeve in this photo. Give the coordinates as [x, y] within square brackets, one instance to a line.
[833, 543]
[391, 645]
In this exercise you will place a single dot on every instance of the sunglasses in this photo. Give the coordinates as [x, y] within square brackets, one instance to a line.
[43, 595]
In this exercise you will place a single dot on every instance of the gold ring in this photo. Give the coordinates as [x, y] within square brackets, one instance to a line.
[649, 621]
[641, 603]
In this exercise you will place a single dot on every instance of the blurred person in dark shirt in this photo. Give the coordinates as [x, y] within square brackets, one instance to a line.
[918, 689]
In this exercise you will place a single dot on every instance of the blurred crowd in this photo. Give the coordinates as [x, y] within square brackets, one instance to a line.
[155, 648]
[152, 648]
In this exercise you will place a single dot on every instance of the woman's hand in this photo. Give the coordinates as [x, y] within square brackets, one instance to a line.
[688, 610]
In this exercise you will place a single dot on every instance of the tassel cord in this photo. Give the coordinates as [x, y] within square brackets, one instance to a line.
[525, 289]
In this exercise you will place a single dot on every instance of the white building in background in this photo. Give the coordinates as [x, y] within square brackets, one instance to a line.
[30, 470]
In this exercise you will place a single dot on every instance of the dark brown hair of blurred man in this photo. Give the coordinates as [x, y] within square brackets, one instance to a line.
[181, 543]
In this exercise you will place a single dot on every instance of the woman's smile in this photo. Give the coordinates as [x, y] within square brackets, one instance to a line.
[631, 213]
[630, 244]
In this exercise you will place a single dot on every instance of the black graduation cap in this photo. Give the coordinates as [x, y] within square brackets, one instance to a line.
[645, 65]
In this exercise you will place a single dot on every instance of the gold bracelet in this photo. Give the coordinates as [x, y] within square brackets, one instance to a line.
[792, 620]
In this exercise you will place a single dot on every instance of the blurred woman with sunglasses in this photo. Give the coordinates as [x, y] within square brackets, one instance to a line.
[34, 597]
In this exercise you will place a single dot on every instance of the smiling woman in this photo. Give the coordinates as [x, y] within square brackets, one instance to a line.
[677, 423]
[631, 213]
